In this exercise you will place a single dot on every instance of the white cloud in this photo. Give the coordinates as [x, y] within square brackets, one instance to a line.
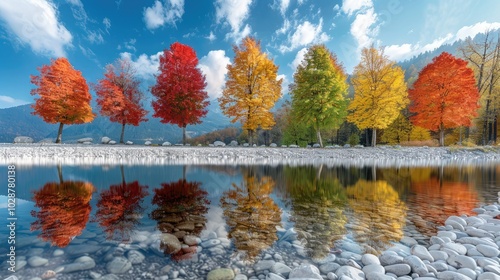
[283, 6]
[107, 23]
[95, 37]
[349, 7]
[286, 26]
[234, 13]
[7, 102]
[214, 66]
[298, 58]
[306, 33]
[363, 28]
[284, 83]
[169, 12]
[146, 66]
[407, 51]
[35, 22]
[211, 37]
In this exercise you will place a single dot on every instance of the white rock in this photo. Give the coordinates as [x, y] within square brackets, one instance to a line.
[82, 263]
[329, 267]
[147, 143]
[488, 251]
[373, 268]
[219, 144]
[451, 235]
[459, 248]
[112, 142]
[488, 276]
[349, 271]
[129, 143]
[166, 143]
[263, 265]
[135, 257]
[451, 275]
[462, 261]
[37, 261]
[105, 140]
[439, 255]
[421, 252]
[368, 259]
[23, 140]
[272, 276]
[468, 272]
[398, 269]
[118, 265]
[281, 268]
[416, 265]
[305, 271]
[83, 140]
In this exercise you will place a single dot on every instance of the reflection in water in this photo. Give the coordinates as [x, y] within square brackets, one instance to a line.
[251, 214]
[318, 201]
[119, 208]
[180, 215]
[440, 196]
[379, 215]
[64, 210]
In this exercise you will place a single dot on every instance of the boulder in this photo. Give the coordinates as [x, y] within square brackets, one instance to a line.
[233, 143]
[129, 143]
[219, 144]
[316, 145]
[112, 142]
[308, 271]
[148, 143]
[273, 145]
[246, 145]
[83, 140]
[170, 243]
[23, 140]
[105, 140]
[166, 144]
[221, 274]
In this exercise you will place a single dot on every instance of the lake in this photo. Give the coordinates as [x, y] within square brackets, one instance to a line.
[142, 222]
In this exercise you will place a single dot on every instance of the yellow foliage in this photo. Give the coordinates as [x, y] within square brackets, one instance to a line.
[252, 87]
[419, 133]
[380, 91]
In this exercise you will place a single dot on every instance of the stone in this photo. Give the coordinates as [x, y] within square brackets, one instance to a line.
[450, 234]
[135, 257]
[421, 252]
[82, 263]
[240, 277]
[492, 268]
[316, 145]
[436, 240]
[221, 274]
[129, 143]
[488, 251]
[475, 232]
[83, 140]
[452, 275]
[118, 265]
[48, 274]
[170, 243]
[329, 267]
[166, 143]
[263, 265]
[272, 276]
[105, 140]
[233, 143]
[273, 145]
[112, 142]
[439, 255]
[373, 268]
[439, 266]
[416, 264]
[281, 268]
[210, 243]
[488, 276]
[462, 261]
[37, 261]
[379, 276]
[109, 277]
[468, 272]
[190, 240]
[187, 226]
[305, 271]
[388, 259]
[351, 272]
[23, 140]
[455, 225]
[148, 143]
[219, 144]
[459, 248]
[398, 269]
[408, 241]
[245, 145]
[368, 259]
[57, 253]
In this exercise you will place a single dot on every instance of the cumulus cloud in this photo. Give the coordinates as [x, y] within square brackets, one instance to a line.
[364, 29]
[211, 37]
[284, 83]
[298, 58]
[306, 33]
[146, 66]
[407, 51]
[349, 7]
[170, 11]
[214, 66]
[35, 22]
[281, 5]
[234, 13]
[7, 102]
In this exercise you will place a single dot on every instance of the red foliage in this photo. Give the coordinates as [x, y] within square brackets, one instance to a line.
[445, 94]
[64, 211]
[119, 96]
[179, 88]
[119, 209]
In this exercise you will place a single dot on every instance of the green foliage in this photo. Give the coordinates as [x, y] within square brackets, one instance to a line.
[319, 90]
[353, 139]
[225, 135]
[398, 131]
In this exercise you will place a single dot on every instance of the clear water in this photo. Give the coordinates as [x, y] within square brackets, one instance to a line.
[93, 210]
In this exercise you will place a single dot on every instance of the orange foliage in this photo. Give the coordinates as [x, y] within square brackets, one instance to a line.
[119, 208]
[64, 211]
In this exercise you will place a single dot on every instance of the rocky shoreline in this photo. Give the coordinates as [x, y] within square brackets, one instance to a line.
[79, 154]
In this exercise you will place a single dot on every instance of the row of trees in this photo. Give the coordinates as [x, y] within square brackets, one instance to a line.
[445, 94]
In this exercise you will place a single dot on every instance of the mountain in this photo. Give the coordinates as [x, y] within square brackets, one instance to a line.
[17, 121]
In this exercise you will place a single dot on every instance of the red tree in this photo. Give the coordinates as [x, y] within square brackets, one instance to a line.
[445, 95]
[119, 96]
[64, 95]
[179, 88]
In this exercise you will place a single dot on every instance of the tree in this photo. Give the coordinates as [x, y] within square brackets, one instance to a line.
[64, 95]
[380, 92]
[445, 95]
[319, 90]
[179, 88]
[252, 88]
[119, 96]
[398, 131]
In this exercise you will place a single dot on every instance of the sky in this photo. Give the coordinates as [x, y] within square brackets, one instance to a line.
[92, 34]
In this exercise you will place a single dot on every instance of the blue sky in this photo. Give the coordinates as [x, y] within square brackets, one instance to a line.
[92, 34]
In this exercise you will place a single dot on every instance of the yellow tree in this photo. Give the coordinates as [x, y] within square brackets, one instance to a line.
[398, 131]
[380, 92]
[252, 88]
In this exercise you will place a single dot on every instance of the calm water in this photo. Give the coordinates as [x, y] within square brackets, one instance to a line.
[93, 210]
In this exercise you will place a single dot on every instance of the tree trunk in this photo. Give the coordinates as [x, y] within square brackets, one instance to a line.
[374, 137]
[184, 135]
[250, 137]
[441, 136]
[320, 141]
[123, 174]
[59, 173]
[59, 133]
[123, 133]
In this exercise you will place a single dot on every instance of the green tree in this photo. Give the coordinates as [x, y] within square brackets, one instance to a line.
[319, 90]
[399, 131]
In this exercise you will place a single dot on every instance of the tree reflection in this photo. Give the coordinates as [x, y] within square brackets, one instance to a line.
[182, 206]
[251, 214]
[379, 214]
[64, 210]
[318, 201]
[119, 208]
